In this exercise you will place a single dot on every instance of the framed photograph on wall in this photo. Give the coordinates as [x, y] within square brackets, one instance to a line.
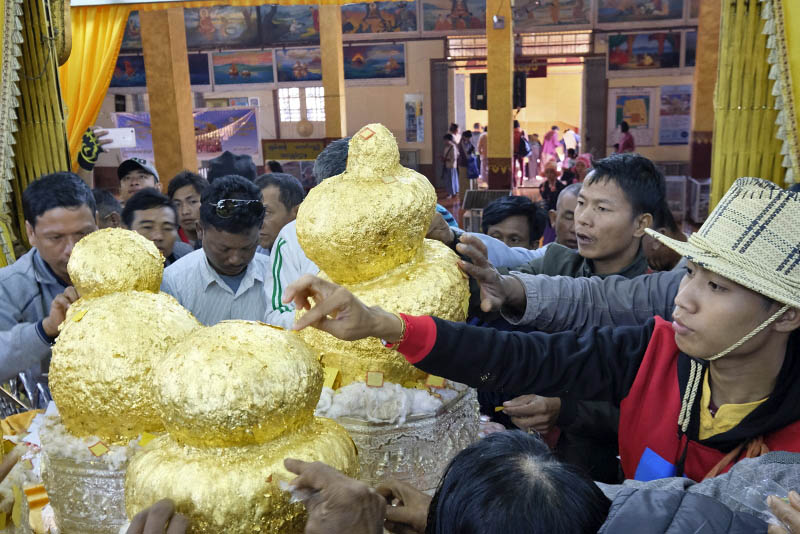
[242, 68]
[129, 73]
[624, 13]
[283, 24]
[443, 16]
[533, 15]
[132, 38]
[675, 115]
[298, 64]
[221, 27]
[379, 17]
[644, 51]
[375, 63]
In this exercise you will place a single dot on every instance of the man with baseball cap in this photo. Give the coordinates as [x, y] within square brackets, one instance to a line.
[134, 175]
[716, 385]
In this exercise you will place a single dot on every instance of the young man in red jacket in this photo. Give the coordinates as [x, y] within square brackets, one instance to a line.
[695, 395]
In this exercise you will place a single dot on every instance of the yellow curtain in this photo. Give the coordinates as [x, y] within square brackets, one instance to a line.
[744, 108]
[96, 37]
[783, 46]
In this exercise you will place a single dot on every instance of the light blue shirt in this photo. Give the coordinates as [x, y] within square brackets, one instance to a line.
[501, 255]
[201, 290]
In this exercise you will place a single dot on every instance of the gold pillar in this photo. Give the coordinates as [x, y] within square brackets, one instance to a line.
[499, 81]
[705, 78]
[332, 55]
[171, 120]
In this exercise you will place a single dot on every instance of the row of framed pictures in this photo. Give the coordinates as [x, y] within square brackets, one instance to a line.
[373, 63]
[651, 50]
[227, 26]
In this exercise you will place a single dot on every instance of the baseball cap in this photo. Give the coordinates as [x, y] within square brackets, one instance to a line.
[135, 164]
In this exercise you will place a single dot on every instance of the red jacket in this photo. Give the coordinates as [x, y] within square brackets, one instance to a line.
[649, 445]
[638, 368]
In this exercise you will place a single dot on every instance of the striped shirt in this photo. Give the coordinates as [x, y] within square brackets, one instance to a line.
[202, 291]
[289, 263]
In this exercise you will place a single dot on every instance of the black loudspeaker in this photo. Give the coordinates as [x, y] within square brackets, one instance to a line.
[520, 89]
[478, 90]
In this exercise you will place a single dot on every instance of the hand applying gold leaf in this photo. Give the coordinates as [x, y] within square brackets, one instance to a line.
[340, 313]
[337, 503]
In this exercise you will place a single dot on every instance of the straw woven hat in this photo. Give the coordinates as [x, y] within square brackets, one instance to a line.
[753, 238]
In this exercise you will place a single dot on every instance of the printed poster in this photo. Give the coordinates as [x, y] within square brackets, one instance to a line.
[636, 51]
[634, 105]
[415, 126]
[675, 115]
[216, 130]
[619, 11]
[364, 62]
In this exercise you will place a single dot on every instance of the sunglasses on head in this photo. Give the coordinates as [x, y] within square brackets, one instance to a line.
[227, 207]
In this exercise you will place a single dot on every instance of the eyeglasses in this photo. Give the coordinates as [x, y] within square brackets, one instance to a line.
[227, 207]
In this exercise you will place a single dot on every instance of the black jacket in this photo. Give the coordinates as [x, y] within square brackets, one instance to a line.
[645, 511]
[598, 365]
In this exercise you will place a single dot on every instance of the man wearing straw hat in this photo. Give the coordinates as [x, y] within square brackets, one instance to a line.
[695, 395]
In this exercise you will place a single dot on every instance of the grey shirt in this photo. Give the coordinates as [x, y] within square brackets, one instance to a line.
[27, 289]
[201, 290]
[557, 303]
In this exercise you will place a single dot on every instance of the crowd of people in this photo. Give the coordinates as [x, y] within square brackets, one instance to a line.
[610, 347]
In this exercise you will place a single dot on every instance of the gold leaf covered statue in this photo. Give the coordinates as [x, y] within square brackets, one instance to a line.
[238, 398]
[365, 229]
[101, 368]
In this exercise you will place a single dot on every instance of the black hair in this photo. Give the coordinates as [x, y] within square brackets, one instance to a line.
[453, 127]
[571, 152]
[640, 180]
[572, 189]
[467, 134]
[516, 123]
[243, 219]
[510, 483]
[291, 191]
[56, 190]
[554, 127]
[146, 199]
[332, 160]
[624, 126]
[105, 203]
[229, 164]
[663, 218]
[449, 137]
[184, 178]
[504, 207]
[274, 166]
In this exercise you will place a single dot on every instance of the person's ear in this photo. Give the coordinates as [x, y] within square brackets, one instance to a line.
[645, 220]
[116, 219]
[31, 233]
[552, 214]
[788, 322]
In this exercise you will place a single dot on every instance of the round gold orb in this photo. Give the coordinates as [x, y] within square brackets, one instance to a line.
[370, 219]
[235, 490]
[114, 259]
[431, 284]
[101, 370]
[237, 383]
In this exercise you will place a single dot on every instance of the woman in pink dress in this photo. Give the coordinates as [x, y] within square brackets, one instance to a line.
[626, 143]
[549, 146]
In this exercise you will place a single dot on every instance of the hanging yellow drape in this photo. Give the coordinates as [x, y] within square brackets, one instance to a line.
[744, 108]
[96, 37]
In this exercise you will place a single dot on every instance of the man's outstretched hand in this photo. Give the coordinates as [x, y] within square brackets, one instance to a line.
[336, 503]
[338, 312]
[159, 519]
[497, 291]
